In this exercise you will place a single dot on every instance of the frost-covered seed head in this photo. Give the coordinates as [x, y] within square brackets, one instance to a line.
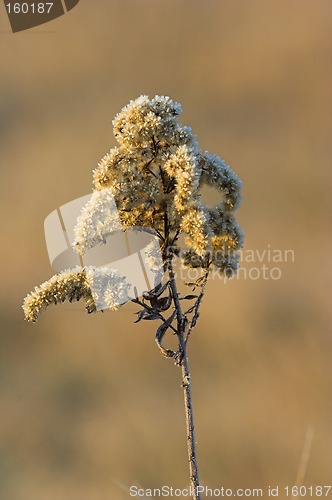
[154, 175]
[158, 171]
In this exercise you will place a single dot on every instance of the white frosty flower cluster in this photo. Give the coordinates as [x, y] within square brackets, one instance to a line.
[157, 172]
[108, 288]
[98, 219]
[97, 286]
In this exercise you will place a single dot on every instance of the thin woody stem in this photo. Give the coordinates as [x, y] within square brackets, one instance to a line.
[191, 443]
[185, 372]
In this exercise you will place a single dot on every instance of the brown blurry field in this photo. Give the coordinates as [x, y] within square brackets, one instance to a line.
[88, 405]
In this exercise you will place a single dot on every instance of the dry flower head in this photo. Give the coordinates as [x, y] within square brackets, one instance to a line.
[155, 174]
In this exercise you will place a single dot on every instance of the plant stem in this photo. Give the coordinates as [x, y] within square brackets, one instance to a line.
[188, 405]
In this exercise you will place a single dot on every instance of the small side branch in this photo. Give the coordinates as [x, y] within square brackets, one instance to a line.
[197, 304]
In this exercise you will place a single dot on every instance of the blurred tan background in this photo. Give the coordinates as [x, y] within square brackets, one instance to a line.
[88, 405]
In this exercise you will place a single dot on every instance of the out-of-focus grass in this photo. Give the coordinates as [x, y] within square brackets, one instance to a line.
[87, 402]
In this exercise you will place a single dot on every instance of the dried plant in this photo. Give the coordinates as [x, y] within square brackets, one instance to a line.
[155, 175]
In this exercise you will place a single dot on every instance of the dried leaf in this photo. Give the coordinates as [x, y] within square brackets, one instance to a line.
[156, 292]
[160, 333]
[189, 297]
[146, 314]
[163, 303]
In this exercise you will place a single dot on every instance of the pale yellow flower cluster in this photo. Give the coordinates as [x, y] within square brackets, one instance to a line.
[95, 285]
[157, 172]
[71, 285]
